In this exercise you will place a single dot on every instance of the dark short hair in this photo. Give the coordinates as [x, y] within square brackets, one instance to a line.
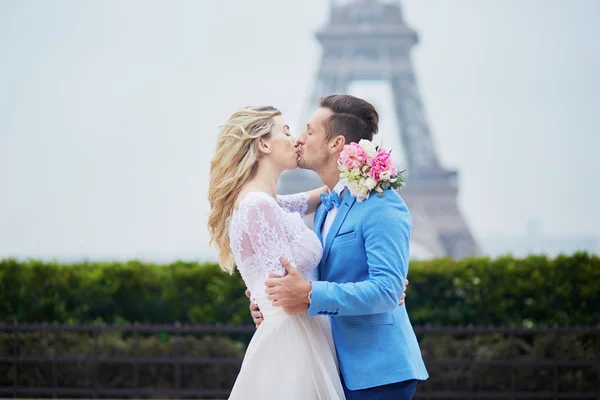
[353, 118]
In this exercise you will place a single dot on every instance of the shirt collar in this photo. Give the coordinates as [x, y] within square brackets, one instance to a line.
[338, 188]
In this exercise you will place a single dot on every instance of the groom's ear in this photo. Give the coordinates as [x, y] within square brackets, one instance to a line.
[337, 143]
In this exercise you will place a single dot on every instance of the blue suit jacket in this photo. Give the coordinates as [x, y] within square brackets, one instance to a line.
[361, 280]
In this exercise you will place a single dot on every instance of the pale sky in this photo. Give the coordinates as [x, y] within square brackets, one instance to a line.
[109, 112]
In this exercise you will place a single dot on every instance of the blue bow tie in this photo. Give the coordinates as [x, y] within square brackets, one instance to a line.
[330, 200]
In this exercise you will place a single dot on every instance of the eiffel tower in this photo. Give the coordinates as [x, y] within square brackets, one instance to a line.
[369, 40]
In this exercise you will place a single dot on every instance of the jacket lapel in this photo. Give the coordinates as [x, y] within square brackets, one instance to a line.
[320, 215]
[341, 215]
[318, 222]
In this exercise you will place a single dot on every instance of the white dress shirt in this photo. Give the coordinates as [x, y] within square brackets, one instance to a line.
[339, 188]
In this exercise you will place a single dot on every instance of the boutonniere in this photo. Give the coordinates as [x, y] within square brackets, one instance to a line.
[366, 167]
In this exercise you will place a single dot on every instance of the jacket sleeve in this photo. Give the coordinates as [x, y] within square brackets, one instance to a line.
[386, 232]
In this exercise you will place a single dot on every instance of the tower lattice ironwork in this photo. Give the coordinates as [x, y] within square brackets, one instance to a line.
[369, 40]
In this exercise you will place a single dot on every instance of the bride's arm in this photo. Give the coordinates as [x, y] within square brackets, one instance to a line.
[268, 243]
[303, 203]
[314, 198]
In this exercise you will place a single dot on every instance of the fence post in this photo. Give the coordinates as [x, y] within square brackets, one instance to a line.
[95, 329]
[136, 350]
[471, 369]
[54, 361]
[218, 377]
[513, 369]
[176, 364]
[556, 375]
[15, 359]
[598, 363]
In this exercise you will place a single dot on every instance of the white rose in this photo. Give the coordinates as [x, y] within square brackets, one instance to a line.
[358, 190]
[369, 147]
[366, 193]
[363, 189]
[385, 175]
[370, 183]
[352, 186]
[363, 192]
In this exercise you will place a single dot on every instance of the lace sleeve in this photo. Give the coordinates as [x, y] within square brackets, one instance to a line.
[267, 237]
[294, 202]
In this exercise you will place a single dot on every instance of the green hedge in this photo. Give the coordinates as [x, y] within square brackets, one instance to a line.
[117, 292]
[505, 291]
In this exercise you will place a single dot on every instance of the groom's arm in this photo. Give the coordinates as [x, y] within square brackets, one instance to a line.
[386, 232]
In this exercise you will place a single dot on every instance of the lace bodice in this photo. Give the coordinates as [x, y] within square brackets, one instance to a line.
[262, 230]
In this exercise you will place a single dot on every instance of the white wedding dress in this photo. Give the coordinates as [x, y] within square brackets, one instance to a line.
[290, 357]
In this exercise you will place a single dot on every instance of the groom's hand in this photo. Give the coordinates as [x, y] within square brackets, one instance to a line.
[289, 291]
[299, 309]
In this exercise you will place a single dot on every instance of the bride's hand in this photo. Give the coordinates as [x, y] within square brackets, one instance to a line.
[403, 294]
[255, 311]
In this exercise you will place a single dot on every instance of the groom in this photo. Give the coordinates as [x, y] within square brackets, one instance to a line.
[364, 265]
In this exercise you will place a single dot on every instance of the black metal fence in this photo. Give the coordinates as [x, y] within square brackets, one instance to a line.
[179, 361]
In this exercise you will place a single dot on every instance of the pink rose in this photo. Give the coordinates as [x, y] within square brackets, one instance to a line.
[380, 163]
[353, 155]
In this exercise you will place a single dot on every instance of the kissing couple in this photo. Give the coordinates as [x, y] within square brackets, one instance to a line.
[329, 304]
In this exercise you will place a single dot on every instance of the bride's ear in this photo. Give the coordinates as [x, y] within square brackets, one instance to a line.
[263, 147]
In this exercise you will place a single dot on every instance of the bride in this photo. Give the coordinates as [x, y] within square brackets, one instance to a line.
[291, 356]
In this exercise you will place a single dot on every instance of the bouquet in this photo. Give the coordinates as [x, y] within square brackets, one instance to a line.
[366, 167]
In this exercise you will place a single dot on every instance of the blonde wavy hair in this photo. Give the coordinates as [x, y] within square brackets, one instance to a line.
[232, 166]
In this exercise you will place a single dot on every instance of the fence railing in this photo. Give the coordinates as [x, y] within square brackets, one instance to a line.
[179, 361]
